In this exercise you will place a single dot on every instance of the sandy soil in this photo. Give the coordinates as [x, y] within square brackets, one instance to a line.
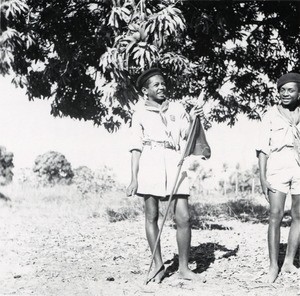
[46, 251]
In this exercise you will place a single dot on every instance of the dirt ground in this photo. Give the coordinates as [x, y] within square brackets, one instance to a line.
[46, 250]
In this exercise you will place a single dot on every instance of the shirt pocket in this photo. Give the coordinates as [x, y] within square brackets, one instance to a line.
[279, 136]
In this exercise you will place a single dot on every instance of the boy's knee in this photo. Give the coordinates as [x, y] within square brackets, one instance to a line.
[182, 220]
[276, 215]
[151, 218]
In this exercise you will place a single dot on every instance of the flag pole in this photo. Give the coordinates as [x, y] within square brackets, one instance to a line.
[174, 189]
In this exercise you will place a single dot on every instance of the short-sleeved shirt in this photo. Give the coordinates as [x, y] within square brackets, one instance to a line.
[278, 139]
[276, 132]
[158, 165]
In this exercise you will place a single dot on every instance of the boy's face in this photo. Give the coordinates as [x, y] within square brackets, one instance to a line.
[289, 93]
[155, 88]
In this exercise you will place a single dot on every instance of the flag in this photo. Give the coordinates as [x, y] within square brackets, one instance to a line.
[196, 142]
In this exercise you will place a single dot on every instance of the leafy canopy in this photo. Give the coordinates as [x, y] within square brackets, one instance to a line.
[86, 55]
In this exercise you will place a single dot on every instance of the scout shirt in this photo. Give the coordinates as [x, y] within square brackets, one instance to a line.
[151, 126]
[279, 139]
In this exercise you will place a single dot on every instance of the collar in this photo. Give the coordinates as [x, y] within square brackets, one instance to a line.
[293, 118]
[153, 106]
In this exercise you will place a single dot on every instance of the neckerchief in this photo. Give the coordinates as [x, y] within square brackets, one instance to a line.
[161, 109]
[293, 117]
[293, 121]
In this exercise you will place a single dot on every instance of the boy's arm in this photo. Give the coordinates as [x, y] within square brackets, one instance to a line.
[262, 163]
[135, 160]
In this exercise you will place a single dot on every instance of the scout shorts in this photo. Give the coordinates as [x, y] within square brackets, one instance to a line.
[283, 171]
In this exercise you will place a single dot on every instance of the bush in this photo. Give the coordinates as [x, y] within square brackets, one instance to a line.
[6, 166]
[53, 168]
[247, 210]
[89, 181]
[121, 214]
[106, 178]
[84, 179]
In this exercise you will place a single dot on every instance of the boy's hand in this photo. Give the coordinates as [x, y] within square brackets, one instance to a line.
[132, 188]
[266, 186]
[198, 108]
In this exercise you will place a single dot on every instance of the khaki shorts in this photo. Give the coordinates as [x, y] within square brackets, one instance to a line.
[283, 172]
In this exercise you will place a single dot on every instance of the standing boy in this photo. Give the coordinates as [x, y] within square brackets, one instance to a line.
[158, 128]
[279, 164]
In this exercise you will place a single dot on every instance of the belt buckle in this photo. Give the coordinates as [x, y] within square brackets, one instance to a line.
[148, 143]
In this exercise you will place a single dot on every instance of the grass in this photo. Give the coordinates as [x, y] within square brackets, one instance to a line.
[67, 200]
[114, 206]
[61, 200]
[203, 213]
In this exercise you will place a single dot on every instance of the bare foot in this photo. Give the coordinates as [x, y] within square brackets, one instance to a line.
[289, 268]
[271, 276]
[187, 274]
[158, 274]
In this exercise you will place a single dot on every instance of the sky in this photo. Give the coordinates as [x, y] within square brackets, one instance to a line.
[28, 129]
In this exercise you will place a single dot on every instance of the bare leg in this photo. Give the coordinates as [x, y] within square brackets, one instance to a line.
[277, 201]
[183, 237]
[294, 237]
[152, 230]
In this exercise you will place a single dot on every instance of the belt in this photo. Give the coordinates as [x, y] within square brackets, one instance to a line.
[164, 144]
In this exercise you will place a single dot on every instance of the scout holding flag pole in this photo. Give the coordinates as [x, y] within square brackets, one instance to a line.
[196, 145]
[158, 129]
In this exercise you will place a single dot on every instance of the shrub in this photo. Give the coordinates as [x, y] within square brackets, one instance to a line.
[84, 179]
[53, 168]
[6, 166]
[247, 210]
[106, 178]
[124, 213]
[89, 181]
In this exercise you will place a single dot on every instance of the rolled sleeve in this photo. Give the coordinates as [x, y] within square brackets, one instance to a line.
[136, 133]
[264, 136]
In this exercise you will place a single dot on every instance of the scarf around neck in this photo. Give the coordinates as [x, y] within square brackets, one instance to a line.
[292, 118]
[161, 109]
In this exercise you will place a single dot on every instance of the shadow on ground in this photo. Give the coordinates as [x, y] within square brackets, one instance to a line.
[282, 252]
[203, 256]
